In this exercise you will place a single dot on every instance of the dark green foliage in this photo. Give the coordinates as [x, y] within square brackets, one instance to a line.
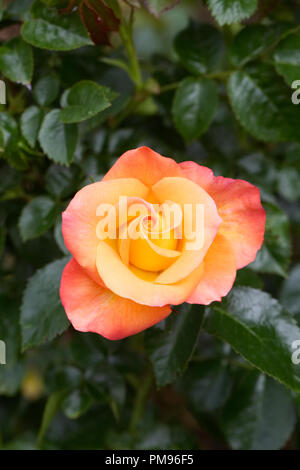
[217, 83]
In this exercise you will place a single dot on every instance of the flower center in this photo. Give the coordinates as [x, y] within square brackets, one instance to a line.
[143, 256]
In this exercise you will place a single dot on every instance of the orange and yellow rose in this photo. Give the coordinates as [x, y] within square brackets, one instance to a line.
[118, 286]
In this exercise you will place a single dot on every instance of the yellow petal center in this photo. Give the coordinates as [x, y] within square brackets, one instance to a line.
[143, 256]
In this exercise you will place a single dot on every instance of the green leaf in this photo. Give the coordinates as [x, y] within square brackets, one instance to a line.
[232, 11]
[274, 256]
[47, 29]
[46, 89]
[90, 431]
[194, 105]
[207, 385]
[16, 61]
[288, 183]
[30, 123]
[106, 385]
[287, 58]
[76, 403]
[259, 415]
[58, 140]
[11, 141]
[2, 140]
[10, 180]
[262, 103]
[200, 48]
[290, 292]
[1, 9]
[259, 329]
[37, 217]
[253, 40]
[52, 406]
[259, 169]
[9, 130]
[42, 315]
[2, 238]
[171, 348]
[18, 9]
[62, 181]
[87, 349]
[83, 101]
[59, 237]
[247, 277]
[26, 443]
[11, 373]
[65, 377]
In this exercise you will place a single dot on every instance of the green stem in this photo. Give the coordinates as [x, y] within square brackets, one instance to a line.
[134, 66]
[169, 87]
[222, 75]
[140, 400]
[219, 75]
[132, 105]
[116, 63]
[22, 145]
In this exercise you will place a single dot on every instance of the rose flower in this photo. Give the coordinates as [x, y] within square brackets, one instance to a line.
[154, 233]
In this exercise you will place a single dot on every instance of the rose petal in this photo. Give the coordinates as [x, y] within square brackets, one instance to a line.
[79, 221]
[145, 165]
[122, 281]
[183, 192]
[240, 208]
[91, 307]
[218, 275]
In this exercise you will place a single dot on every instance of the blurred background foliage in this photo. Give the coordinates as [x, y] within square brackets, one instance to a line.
[208, 81]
